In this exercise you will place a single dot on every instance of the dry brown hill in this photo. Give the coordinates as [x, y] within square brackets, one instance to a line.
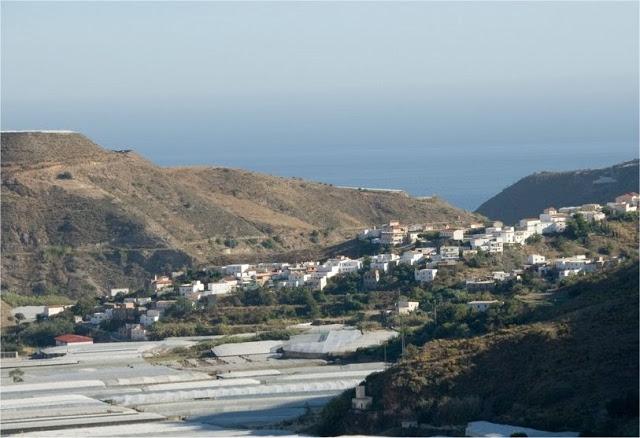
[78, 218]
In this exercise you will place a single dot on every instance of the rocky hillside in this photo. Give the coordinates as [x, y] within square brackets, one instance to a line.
[529, 196]
[574, 367]
[77, 218]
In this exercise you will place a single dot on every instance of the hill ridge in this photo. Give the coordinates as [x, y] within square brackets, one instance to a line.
[530, 195]
[67, 202]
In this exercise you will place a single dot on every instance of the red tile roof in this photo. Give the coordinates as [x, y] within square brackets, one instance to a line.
[70, 339]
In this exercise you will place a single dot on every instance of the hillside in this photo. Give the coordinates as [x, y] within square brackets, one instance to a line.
[573, 367]
[77, 218]
[529, 196]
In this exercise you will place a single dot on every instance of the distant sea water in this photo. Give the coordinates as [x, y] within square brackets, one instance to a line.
[465, 176]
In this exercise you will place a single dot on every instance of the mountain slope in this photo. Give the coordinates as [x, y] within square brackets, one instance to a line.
[529, 196]
[80, 218]
[574, 368]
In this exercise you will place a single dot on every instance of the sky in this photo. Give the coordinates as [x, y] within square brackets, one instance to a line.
[298, 88]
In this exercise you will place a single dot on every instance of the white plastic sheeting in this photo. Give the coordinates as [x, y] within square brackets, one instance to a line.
[52, 386]
[247, 348]
[485, 428]
[330, 375]
[335, 341]
[250, 373]
[201, 384]
[166, 378]
[286, 388]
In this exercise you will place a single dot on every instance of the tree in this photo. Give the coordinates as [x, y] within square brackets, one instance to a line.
[577, 228]
[84, 306]
[16, 374]
[19, 317]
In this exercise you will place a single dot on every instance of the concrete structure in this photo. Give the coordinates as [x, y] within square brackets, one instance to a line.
[479, 285]
[221, 287]
[191, 288]
[449, 252]
[425, 275]
[404, 307]
[235, 270]
[453, 234]
[536, 259]
[361, 401]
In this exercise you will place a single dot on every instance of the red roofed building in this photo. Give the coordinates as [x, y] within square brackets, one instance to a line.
[73, 340]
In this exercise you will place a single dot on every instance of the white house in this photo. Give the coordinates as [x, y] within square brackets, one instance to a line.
[347, 266]
[500, 275]
[149, 318]
[410, 257]
[453, 234]
[190, 288]
[221, 287]
[536, 259]
[495, 247]
[425, 275]
[449, 252]
[404, 307]
[530, 224]
[235, 269]
[53, 310]
[478, 241]
[622, 207]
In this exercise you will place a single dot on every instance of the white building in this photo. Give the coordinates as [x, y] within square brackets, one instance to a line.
[425, 275]
[152, 316]
[347, 266]
[361, 401]
[453, 234]
[53, 310]
[191, 288]
[221, 287]
[495, 247]
[404, 307]
[235, 270]
[536, 259]
[410, 257]
[449, 252]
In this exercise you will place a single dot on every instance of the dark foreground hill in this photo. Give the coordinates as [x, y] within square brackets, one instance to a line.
[529, 196]
[574, 367]
[77, 218]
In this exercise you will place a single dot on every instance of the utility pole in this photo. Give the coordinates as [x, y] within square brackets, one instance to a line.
[402, 333]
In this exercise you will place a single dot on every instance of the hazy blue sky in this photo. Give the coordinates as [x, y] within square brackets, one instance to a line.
[293, 88]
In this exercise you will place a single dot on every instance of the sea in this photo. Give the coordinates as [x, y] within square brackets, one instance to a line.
[465, 176]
